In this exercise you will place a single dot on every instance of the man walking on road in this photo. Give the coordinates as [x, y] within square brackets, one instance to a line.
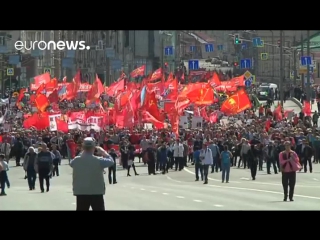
[207, 160]
[88, 180]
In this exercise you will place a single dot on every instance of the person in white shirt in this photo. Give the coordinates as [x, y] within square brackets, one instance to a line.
[4, 167]
[178, 150]
[5, 149]
[206, 160]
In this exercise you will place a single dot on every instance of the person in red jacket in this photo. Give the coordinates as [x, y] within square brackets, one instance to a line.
[71, 147]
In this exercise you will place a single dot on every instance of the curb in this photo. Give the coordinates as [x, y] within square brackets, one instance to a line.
[296, 101]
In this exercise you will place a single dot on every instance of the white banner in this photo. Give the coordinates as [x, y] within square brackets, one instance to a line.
[196, 122]
[183, 123]
[92, 122]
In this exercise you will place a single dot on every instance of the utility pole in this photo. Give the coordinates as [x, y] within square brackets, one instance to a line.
[308, 67]
[294, 62]
[281, 69]
[302, 50]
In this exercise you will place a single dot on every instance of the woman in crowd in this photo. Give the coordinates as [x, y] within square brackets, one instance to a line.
[226, 157]
[289, 165]
[130, 161]
[56, 160]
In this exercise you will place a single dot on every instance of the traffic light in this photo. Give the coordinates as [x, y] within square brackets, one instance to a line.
[236, 64]
[279, 43]
[237, 39]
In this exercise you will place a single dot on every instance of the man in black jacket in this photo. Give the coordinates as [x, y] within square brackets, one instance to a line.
[270, 158]
[151, 159]
[18, 150]
[306, 154]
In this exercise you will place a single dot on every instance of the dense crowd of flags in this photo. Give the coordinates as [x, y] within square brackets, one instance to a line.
[131, 103]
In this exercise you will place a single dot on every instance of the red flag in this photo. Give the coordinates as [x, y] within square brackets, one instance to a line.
[147, 117]
[77, 81]
[174, 119]
[203, 95]
[41, 89]
[268, 125]
[96, 90]
[181, 104]
[238, 81]
[203, 113]
[150, 105]
[30, 121]
[39, 121]
[306, 108]
[32, 98]
[62, 126]
[53, 84]
[138, 71]
[54, 97]
[42, 102]
[236, 103]
[157, 74]
[42, 79]
[115, 87]
[169, 107]
[214, 81]
[277, 113]
[21, 94]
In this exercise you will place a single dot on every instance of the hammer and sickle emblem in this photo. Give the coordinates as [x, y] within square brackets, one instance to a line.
[232, 101]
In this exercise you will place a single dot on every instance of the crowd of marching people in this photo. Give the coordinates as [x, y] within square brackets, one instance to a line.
[258, 138]
[245, 141]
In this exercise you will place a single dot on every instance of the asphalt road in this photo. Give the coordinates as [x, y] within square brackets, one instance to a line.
[173, 191]
[288, 105]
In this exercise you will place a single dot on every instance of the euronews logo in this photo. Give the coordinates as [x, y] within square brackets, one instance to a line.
[51, 45]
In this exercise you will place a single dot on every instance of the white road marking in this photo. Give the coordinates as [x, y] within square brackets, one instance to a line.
[154, 191]
[264, 191]
[195, 200]
[179, 197]
[142, 189]
[244, 178]
[217, 205]
[169, 178]
[256, 182]
[187, 170]
[165, 193]
[259, 190]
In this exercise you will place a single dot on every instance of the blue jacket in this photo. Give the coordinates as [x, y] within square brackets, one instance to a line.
[162, 154]
[196, 156]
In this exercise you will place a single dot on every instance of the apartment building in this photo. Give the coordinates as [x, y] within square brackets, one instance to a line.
[272, 37]
[110, 52]
[21, 64]
[268, 69]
